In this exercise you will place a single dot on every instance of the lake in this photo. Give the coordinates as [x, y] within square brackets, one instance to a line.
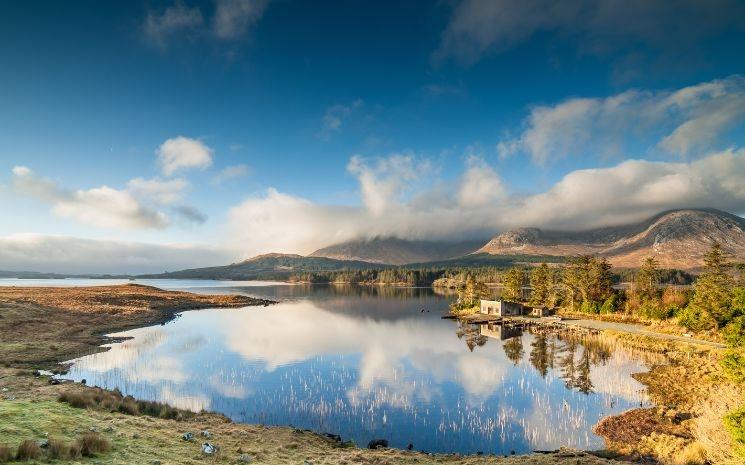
[372, 362]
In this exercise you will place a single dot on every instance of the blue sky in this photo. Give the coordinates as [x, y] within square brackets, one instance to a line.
[325, 121]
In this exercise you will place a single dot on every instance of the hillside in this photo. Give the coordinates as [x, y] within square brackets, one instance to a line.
[394, 251]
[267, 266]
[677, 239]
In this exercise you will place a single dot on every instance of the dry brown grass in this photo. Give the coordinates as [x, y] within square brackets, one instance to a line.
[124, 299]
[6, 454]
[114, 401]
[28, 450]
[91, 444]
[58, 449]
[709, 426]
[44, 326]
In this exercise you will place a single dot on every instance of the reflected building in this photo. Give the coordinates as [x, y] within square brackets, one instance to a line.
[498, 331]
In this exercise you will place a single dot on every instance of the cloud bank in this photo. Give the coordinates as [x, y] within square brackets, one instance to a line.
[142, 204]
[64, 254]
[478, 205]
[103, 207]
[683, 122]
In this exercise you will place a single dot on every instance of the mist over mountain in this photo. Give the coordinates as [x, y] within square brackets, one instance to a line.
[677, 239]
[394, 251]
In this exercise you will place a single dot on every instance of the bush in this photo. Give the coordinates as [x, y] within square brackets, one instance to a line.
[28, 450]
[734, 366]
[6, 455]
[610, 305]
[735, 424]
[734, 332]
[673, 296]
[92, 444]
[695, 319]
[654, 309]
[590, 306]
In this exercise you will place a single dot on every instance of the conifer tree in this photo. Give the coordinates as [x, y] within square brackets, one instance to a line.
[513, 284]
[541, 283]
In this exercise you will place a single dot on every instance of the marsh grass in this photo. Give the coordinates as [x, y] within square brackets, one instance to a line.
[114, 401]
[91, 444]
[28, 450]
[6, 454]
[58, 449]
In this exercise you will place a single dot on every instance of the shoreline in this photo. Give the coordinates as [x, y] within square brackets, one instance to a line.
[139, 317]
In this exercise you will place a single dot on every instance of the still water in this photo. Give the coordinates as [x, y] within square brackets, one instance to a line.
[371, 363]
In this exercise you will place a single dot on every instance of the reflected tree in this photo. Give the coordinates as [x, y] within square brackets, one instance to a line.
[539, 354]
[513, 349]
[583, 383]
[566, 363]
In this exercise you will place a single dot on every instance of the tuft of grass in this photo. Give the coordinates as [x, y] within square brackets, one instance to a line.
[28, 450]
[92, 444]
[58, 449]
[6, 454]
[75, 450]
[78, 399]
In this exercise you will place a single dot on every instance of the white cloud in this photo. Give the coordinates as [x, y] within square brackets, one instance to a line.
[233, 17]
[162, 191]
[180, 153]
[231, 172]
[335, 117]
[477, 207]
[481, 185]
[648, 31]
[63, 254]
[103, 206]
[383, 182]
[21, 171]
[175, 19]
[681, 122]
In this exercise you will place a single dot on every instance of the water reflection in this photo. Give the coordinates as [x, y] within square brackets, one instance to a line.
[373, 362]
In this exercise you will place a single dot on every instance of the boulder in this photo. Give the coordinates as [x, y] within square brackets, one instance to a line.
[187, 436]
[376, 443]
[209, 449]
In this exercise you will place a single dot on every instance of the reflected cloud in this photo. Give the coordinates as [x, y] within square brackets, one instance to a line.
[366, 364]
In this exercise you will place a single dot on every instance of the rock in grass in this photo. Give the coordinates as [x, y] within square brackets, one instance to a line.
[206, 434]
[209, 449]
[375, 443]
[187, 436]
[244, 458]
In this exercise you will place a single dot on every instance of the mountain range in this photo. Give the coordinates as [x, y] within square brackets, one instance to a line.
[677, 239]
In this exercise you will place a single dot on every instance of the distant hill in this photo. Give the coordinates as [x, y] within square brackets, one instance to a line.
[267, 266]
[394, 251]
[677, 239]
